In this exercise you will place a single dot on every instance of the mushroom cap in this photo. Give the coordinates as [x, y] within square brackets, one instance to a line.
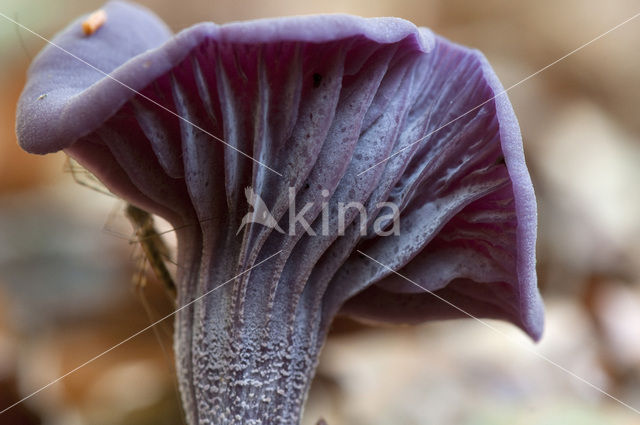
[318, 100]
[135, 47]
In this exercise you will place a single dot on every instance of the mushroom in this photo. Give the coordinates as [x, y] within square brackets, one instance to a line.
[365, 139]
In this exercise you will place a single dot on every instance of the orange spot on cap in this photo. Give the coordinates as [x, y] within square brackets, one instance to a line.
[94, 22]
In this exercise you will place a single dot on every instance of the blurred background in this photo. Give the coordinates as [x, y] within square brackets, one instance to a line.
[67, 270]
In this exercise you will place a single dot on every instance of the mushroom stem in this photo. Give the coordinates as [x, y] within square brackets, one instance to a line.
[237, 366]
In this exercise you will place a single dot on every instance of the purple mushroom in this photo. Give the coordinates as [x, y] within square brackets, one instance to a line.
[289, 154]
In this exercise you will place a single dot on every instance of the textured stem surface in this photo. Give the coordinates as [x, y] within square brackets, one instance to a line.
[237, 366]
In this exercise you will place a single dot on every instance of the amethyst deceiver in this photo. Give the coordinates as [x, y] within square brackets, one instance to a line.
[318, 99]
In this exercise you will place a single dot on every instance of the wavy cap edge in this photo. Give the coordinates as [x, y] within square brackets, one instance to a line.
[65, 118]
[531, 306]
